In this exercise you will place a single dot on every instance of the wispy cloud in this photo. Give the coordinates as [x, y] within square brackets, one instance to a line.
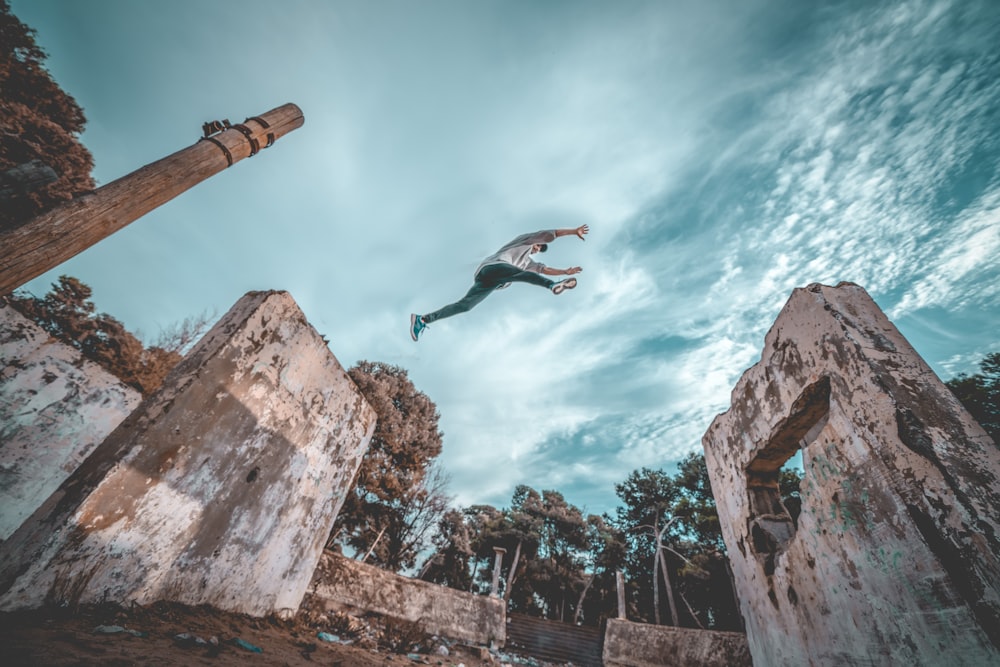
[850, 164]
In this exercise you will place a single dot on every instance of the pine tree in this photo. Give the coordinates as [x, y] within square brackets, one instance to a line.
[68, 314]
[397, 499]
[980, 394]
[38, 121]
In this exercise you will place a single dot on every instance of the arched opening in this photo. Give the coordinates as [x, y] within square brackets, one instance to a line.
[771, 524]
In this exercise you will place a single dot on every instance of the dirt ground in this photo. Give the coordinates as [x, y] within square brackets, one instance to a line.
[174, 634]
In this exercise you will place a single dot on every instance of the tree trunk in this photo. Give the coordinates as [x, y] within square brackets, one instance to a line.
[690, 610]
[670, 588]
[374, 544]
[656, 587]
[510, 575]
[583, 594]
[51, 238]
[656, 562]
[428, 564]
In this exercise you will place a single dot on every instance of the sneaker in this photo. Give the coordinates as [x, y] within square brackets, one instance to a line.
[416, 326]
[562, 285]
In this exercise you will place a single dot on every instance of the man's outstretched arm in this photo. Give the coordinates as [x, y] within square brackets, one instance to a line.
[580, 231]
[561, 272]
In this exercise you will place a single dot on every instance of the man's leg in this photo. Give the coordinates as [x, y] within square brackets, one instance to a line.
[472, 298]
[488, 279]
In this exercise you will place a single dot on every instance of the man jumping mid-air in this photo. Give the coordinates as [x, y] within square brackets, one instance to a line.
[510, 264]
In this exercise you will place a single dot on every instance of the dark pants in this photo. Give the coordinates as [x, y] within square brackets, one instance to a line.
[489, 278]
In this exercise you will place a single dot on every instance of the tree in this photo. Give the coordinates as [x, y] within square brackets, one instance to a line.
[68, 314]
[450, 563]
[648, 496]
[38, 121]
[489, 527]
[689, 553]
[554, 575]
[980, 394]
[544, 570]
[606, 553]
[695, 504]
[395, 502]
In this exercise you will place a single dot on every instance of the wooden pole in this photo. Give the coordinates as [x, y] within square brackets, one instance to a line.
[620, 585]
[53, 237]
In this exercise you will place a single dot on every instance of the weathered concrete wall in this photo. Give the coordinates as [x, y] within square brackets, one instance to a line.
[628, 644]
[894, 558]
[55, 408]
[219, 489]
[344, 583]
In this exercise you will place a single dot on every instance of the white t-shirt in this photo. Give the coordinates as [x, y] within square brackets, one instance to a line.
[518, 251]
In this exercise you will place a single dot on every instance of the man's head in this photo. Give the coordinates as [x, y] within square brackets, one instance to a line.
[539, 247]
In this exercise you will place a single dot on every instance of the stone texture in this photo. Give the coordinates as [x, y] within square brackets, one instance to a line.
[628, 644]
[345, 584]
[894, 557]
[218, 489]
[55, 408]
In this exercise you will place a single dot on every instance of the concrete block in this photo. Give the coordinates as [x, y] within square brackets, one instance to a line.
[894, 556]
[628, 644]
[345, 584]
[218, 489]
[55, 408]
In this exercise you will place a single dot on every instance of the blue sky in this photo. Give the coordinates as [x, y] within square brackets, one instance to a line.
[723, 153]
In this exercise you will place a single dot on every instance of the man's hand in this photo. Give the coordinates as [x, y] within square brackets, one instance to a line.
[580, 232]
[573, 269]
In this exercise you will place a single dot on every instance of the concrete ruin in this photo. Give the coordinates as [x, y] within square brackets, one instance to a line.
[55, 408]
[893, 557]
[628, 644]
[343, 584]
[219, 489]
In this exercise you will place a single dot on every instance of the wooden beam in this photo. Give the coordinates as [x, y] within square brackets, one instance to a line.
[55, 236]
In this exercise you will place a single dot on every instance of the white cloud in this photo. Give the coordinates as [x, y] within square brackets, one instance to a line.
[950, 277]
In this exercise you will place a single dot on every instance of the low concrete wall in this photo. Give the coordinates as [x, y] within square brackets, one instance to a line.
[345, 583]
[218, 489]
[628, 644]
[55, 408]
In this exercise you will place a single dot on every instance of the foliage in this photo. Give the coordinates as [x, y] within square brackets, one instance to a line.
[556, 563]
[647, 496]
[682, 509]
[489, 528]
[38, 120]
[561, 565]
[980, 394]
[449, 565]
[397, 499]
[68, 314]
[554, 575]
[606, 556]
